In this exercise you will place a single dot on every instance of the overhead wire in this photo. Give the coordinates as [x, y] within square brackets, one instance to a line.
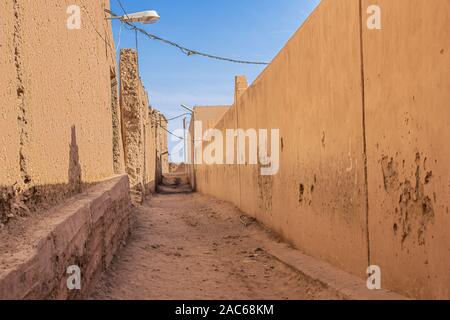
[91, 21]
[184, 50]
[173, 134]
[177, 117]
[157, 121]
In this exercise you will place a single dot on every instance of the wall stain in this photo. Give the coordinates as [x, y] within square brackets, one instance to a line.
[428, 177]
[301, 192]
[415, 209]
[390, 174]
[265, 192]
[265, 186]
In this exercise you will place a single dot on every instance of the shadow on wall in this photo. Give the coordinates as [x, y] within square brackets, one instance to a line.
[74, 164]
[16, 201]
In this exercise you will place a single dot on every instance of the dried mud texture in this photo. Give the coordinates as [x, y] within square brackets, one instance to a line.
[265, 184]
[132, 122]
[85, 230]
[17, 204]
[116, 125]
[24, 199]
[140, 140]
[415, 209]
[51, 94]
[190, 246]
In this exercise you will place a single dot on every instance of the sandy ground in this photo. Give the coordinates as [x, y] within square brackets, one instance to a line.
[190, 246]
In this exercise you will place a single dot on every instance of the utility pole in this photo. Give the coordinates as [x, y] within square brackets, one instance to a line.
[185, 144]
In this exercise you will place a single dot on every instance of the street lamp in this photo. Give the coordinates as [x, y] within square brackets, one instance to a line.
[145, 17]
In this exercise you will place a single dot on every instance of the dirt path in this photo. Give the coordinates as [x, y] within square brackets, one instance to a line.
[189, 246]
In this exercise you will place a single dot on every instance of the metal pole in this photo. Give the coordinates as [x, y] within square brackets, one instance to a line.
[185, 144]
[137, 48]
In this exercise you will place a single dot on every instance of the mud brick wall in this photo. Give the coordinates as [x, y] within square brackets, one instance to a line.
[59, 125]
[86, 233]
[132, 115]
[364, 123]
[150, 153]
[162, 139]
[142, 127]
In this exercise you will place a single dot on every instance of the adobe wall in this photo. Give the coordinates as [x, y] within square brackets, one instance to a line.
[407, 76]
[132, 112]
[150, 156]
[333, 108]
[163, 148]
[85, 233]
[57, 103]
[208, 116]
[143, 128]
[64, 130]
[313, 97]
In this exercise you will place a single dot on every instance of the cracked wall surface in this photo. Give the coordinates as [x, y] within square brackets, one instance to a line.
[132, 115]
[143, 128]
[118, 156]
[57, 99]
[407, 71]
[86, 233]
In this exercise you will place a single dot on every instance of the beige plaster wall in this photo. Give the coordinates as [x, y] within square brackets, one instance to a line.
[407, 81]
[56, 93]
[389, 208]
[317, 199]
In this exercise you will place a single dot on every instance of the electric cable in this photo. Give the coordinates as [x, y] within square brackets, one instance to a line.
[184, 50]
[177, 117]
[91, 20]
[173, 134]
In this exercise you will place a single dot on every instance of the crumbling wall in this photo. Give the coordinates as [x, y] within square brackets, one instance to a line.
[142, 127]
[363, 118]
[132, 111]
[118, 155]
[56, 94]
[10, 138]
[85, 233]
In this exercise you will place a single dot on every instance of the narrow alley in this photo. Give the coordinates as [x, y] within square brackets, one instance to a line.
[224, 150]
[190, 246]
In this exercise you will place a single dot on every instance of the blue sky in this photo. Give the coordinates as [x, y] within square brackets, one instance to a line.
[240, 29]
